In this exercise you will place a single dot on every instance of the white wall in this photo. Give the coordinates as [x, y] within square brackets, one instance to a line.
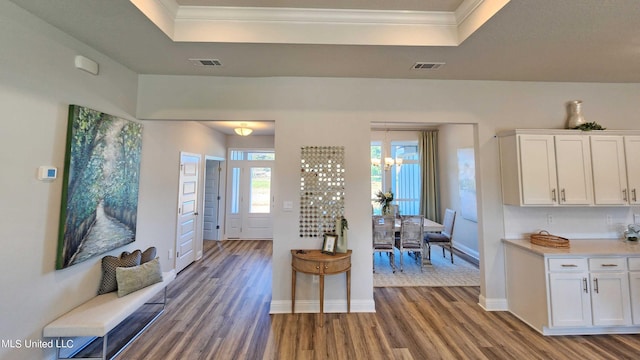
[337, 106]
[451, 138]
[251, 142]
[162, 143]
[37, 83]
[303, 129]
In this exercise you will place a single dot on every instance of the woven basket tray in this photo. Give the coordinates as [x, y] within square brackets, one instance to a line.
[543, 238]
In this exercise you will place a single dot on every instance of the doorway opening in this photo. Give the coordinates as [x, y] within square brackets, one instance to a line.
[250, 202]
[213, 198]
[395, 167]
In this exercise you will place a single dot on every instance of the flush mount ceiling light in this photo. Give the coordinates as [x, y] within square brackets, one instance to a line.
[243, 130]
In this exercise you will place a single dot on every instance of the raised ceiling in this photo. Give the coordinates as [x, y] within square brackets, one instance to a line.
[417, 5]
[541, 40]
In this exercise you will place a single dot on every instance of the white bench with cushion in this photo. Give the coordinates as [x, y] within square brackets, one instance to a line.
[101, 314]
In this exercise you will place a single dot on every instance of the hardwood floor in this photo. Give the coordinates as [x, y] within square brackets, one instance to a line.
[218, 308]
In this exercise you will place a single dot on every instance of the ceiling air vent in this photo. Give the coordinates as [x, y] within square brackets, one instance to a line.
[206, 62]
[427, 65]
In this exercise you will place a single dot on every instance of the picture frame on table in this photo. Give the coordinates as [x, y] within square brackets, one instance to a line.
[329, 243]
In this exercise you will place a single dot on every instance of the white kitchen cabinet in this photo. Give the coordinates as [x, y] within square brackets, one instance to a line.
[573, 164]
[632, 151]
[591, 288]
[537, 165]
[569, 299]
[610, 299]
[634, 288]
[609, 170]
[539, 169]
[568, 167]
[616, 171]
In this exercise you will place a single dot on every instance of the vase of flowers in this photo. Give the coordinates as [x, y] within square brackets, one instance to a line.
[385, 200]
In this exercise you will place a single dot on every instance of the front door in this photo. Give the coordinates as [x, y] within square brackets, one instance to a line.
[249, 195]
[187, 211]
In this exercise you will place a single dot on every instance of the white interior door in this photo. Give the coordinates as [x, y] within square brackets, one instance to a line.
[188, 210]
[249, 194]
[210, 225]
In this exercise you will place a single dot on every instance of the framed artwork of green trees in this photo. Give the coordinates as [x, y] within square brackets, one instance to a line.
[100, 185]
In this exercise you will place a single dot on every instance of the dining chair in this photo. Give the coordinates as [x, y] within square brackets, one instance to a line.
[444, 237]
[411, 235]
[383, 238]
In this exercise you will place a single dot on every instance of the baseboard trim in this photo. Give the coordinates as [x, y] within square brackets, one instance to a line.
[467, 251]
[493, 304]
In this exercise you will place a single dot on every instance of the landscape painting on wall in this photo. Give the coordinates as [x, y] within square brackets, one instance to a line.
[100, 185]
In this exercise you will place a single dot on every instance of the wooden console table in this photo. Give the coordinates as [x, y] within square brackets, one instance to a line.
[316, 263]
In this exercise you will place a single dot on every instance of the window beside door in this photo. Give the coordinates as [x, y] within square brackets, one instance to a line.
[395, 165]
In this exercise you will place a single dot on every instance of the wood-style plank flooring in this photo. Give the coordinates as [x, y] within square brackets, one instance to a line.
[218, 308]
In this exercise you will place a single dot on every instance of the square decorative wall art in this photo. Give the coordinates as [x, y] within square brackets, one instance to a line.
[100, 185]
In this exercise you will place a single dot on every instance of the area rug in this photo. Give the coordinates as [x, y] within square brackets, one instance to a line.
[441, 272]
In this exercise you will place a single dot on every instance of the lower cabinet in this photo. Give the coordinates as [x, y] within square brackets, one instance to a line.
[634, 288]
[570, 301]
[598, 296]
[610, 297]
[580, 293]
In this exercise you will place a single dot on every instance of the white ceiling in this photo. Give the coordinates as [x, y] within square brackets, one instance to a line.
[526, 40]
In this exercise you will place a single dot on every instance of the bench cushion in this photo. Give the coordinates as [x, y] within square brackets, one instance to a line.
[102, 313]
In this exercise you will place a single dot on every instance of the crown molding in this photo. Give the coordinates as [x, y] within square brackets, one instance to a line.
[304, 15]
[317, 26]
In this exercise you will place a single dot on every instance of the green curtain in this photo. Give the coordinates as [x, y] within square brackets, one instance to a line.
[430, 186]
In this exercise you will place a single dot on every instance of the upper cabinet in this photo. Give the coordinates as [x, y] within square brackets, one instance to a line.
[569, 167]
[540, 169]
[609, 170]
[616, 172]
[632, 151]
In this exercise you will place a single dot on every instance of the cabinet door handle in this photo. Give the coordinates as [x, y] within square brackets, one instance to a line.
[624, 194]
[569, 265]
[595, 288]
[553, 194]
[633, 195]
[584, 281]
[564, 198]
[609, 265]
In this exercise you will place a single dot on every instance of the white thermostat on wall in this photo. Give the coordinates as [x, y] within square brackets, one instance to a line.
[47, 173]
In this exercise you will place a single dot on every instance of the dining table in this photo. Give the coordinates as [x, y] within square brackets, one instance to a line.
[427, 226]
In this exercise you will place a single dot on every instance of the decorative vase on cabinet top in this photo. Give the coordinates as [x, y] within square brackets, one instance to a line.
[574, 114]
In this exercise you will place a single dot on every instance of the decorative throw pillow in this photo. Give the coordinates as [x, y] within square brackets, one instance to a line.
[134, 278]
[147, 255]
[109, 265]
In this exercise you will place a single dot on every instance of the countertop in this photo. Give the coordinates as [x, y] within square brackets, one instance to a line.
[582, 247]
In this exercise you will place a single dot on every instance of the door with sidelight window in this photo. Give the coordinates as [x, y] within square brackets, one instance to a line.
[249, 194]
